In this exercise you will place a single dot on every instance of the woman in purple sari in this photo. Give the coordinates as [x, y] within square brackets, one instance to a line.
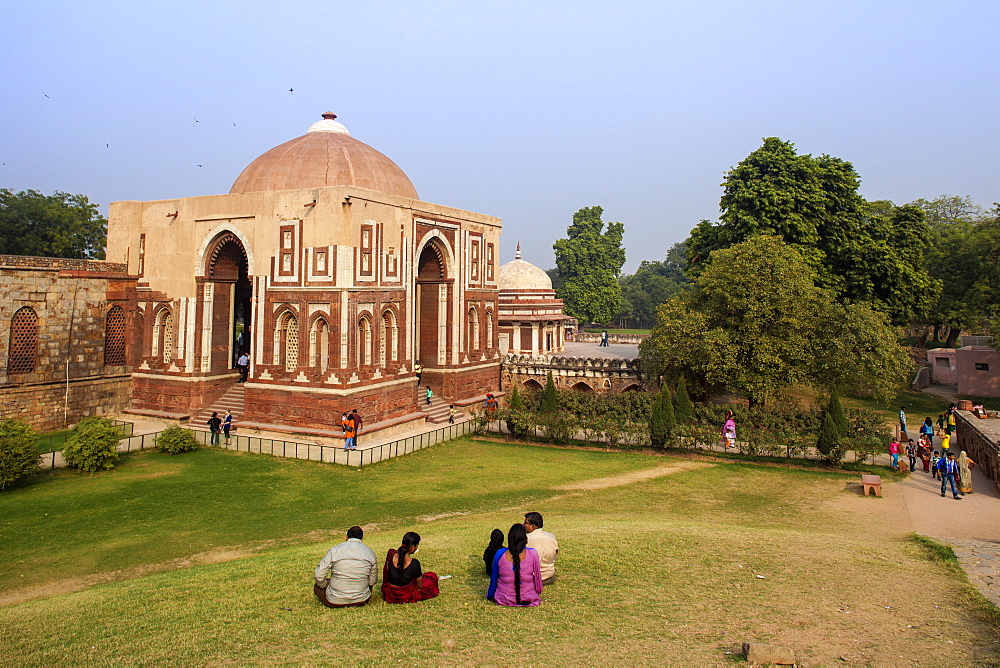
[516, 579]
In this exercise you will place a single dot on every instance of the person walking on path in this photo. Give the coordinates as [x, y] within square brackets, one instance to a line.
[927, 427]
[902, 421]
[227, 424]
[948, 469]
[214, 426]
[935, 460]
[451, 414]
[925, 455]
[729, 431]
[894, 453]
[945, 445]
[604, 339]
[428, 395]
[965, 473]
[911, 454]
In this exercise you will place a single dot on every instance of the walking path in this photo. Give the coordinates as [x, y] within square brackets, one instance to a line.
[970, 526]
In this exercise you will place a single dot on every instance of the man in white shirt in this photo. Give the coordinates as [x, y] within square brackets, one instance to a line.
[346, 575]
[544, 543]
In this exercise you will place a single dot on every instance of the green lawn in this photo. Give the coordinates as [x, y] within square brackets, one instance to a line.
[53, 441]
[676, 569]
[918, 406]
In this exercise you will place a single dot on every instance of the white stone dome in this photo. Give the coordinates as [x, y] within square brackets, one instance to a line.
[520, 275]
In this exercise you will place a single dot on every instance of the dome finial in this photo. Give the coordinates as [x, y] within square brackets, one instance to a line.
[517, 255]
[328, 124]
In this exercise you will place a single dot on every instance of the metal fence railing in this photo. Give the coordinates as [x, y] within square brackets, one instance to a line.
[320, 452]
[56, 442]
[333, 453]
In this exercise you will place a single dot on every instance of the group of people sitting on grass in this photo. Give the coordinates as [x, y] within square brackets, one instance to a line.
[347, 573]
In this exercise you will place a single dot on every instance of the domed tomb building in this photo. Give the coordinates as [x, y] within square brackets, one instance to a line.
[531, 319]
[323, 265]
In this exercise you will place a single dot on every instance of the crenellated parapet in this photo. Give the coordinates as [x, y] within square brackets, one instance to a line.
[585, 374]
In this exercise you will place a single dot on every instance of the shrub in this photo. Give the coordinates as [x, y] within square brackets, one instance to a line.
[18, 451]
[557, 425]
[550, 398]
[683, 408]
[836, 411]
[516, 402]
[661, 418]
[828, 443]
[174, 440]
[92, 445]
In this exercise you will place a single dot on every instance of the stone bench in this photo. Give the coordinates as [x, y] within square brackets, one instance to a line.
[871, 483]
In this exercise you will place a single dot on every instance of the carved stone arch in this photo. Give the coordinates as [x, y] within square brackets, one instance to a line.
[389, 335]
[532, 384]
[210, 246]
[632, 388]
[582, 387]
[434, 242]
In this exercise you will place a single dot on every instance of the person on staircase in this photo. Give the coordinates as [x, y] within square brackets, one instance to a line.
[428, 394]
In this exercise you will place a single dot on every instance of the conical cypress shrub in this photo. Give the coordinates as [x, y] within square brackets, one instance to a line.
[836, 412]
[515, 399]
[828, 436]
[683, 408]
[661, 418]
[550, 397]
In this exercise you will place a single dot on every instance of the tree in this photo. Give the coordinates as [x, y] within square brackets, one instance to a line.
[683, 408]
[836, 412]
[828, 442]
[661, 417]
[57, 225]
[651, 285]
[588, 262]
[18, 451]
[550, 397]
[859, 251]
[755, 323]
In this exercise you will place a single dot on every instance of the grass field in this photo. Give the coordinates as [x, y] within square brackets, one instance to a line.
[918, 406]
[206, 558]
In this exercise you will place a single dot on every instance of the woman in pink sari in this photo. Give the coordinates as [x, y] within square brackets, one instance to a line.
[516, 579]
[402, 579]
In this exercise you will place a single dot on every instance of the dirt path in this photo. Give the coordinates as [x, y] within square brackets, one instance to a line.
[629, 478]
[971, 526]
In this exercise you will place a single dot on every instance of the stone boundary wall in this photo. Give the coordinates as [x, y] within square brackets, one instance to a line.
[598, 374]
[981, 441]
[588, 337]
[44, 405]
[61, 264]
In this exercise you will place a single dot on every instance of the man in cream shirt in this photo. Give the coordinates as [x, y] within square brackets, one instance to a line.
[544, 543]
[346, 575]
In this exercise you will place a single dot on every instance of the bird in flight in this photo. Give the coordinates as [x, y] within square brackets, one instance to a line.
[201, 165]
[107, 146]
[43, 93]
[291, 91]
[197, 121]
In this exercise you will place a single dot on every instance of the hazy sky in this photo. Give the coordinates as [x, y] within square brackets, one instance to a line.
[527, 111]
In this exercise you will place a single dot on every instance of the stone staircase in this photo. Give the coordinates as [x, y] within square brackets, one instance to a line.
[233, 399]
[436, 412]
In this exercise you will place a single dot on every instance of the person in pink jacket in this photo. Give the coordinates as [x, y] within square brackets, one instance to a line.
[894, 453]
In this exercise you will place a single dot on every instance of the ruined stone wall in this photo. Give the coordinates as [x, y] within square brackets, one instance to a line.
[68, 377]
[981, 441]
[599, 375]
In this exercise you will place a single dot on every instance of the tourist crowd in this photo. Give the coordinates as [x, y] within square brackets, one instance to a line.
[942, 464]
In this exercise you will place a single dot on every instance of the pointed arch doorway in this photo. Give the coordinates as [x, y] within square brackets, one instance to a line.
[433, 305]
[228, 292]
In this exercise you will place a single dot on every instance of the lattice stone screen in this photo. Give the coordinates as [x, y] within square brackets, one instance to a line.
[114, 337]
[23, 341]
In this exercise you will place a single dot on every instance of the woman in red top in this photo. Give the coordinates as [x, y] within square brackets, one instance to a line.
[402, 579]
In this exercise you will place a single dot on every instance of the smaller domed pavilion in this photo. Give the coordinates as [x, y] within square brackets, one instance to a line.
[530, 318]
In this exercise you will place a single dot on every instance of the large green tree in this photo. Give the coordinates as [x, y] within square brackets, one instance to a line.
[959, 256]
[755, 322]
[588, 262]
[651, 285]
[859, 250]
[57, 225]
